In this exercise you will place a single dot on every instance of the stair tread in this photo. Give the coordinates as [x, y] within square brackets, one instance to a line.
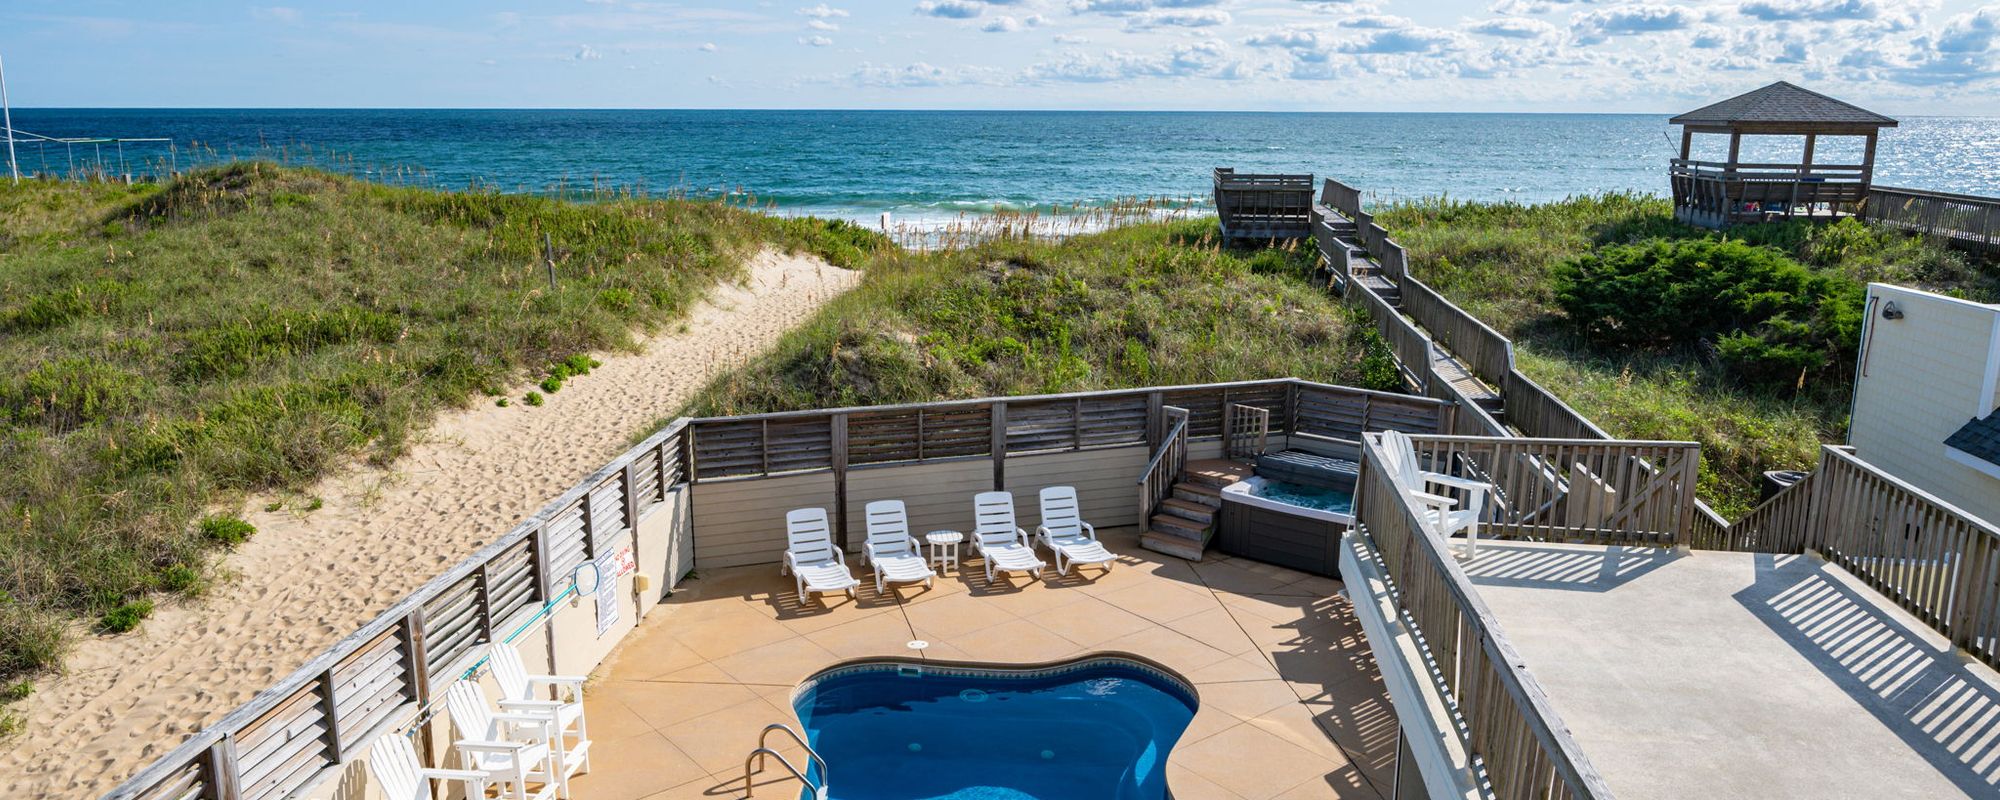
[1198, 488]
[1188, 507]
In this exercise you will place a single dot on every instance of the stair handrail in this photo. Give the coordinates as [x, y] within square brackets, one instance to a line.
[811, 754]
[1172, 455]
[750, 788]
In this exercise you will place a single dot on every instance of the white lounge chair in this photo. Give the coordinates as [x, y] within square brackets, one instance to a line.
[811, 558]
[393, 762]
[1001, 543]
[1440, 513]
[512, 749]
[890, 548]
[518, 694]
[1067, 535]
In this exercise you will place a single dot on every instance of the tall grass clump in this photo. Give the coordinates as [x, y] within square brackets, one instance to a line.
[1617, 308]
[1146, 304]
[167, 349]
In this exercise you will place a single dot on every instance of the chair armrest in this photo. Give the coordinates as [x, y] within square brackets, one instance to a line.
[453, 774]
[1452, 480]
[558, 679]
[1088, 530]
[916, 547]
[1434, 500]
[490, 746]
[1042, 532]
[531, 705]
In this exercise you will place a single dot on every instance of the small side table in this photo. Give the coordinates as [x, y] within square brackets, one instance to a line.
[944, 549]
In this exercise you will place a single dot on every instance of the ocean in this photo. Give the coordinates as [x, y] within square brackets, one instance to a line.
[930, 165]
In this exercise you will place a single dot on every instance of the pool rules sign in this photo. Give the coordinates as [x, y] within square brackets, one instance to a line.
[611, 567]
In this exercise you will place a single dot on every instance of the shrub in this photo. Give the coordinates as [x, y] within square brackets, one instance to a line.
[125, 617]
[532, 398]
[17, 691]
[551, 384]
[1771, 320]
[69, 392]
[30, 640]
[226, 530]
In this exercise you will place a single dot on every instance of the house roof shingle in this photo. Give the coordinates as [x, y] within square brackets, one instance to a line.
[1781, 103]
[1979, 438]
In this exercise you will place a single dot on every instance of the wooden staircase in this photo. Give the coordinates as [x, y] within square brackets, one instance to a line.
[1182, 524]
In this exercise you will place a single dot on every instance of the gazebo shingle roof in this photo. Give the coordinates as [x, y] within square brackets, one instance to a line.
[1782, 103]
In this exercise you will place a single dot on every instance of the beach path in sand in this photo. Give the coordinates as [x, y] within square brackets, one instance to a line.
[307, 579]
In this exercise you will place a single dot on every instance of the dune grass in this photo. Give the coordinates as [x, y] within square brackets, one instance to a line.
[1497, 261]
[1147, 304]
[165, 350]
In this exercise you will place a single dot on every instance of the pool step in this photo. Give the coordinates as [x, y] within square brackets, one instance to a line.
[1182, 524]
[1172, 545]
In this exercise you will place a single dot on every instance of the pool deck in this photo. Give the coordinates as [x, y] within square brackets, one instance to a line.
[1291, 705]
[1715, 674]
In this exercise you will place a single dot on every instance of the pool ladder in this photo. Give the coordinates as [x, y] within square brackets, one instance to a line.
[756, 759]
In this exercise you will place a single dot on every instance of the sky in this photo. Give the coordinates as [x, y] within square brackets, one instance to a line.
[1917, 57]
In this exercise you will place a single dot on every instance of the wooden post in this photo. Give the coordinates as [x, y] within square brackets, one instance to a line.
[1735, 150]
[1155, 424]
[998, 419]
[331, 713]
[417, 670]
[220, 762]
[1687, 142]
[838, 436]
[1811, 140]
[1868, 162]
[589, 526]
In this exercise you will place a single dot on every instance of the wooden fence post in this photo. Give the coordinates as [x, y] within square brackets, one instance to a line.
[838, 436]
[331, 711]
[998, 417]
[220, 762]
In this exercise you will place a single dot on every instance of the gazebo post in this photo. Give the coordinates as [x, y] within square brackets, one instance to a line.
[1868, 161]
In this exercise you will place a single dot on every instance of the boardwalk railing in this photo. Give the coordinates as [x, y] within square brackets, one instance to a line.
[1253, 206]
[1413, 349]
[1963, 220]
[1508, 724]
[1488, 354]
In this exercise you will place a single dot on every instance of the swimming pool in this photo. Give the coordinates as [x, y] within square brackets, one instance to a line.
[1097, 728]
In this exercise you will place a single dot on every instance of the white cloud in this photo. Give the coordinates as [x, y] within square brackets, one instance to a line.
[821, 25]
[1008, 24]
[586, 53]
[822, 11]
[1208, 58]
[708, 47]
[1513, 28]
[951, 9]
[1192, 18]
[1597, 25]
[281, 14]
[816, 41]
[1965, 50]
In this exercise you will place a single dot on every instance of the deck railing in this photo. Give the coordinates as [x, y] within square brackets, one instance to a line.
[1169, 460]
[1263, 206]
[1581, 490]
[1508, 724]
[333, 707]
[1412, 348]
[1489, 355]
[1964, 220]
[321, 716]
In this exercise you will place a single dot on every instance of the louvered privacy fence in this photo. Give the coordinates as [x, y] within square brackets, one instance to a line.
[1509, 725]
[287, 737]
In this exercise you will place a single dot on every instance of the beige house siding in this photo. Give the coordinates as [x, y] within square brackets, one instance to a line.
[938, 495]
[1106, 481]
[743, 521]
[1921, 378]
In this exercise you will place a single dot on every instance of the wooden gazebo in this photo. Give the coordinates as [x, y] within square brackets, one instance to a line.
[1718, 194]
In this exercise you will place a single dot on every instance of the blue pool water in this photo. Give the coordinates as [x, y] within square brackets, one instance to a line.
[1339, 501]
[1099, 729]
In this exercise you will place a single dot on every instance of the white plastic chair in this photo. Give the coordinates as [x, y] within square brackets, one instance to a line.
[393, 762]
[1439, 513]
[1001, 543]
[1067, 535]
[512, 749]
[810, 557]
[890, 548]
[517, 694]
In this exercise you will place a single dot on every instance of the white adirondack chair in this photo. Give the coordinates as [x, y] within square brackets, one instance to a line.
[890, 549]
[393, 762]
[810, 557]
[1067, 535]
[1000, 542]
[518, 694]
[512, 749]
[1440, 514]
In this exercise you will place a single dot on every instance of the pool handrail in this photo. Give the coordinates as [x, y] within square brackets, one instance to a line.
[811, 754]
[750, 788]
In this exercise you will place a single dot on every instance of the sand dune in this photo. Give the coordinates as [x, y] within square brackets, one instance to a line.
[307, 579]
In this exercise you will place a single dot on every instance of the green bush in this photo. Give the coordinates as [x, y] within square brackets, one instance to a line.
[226, 530]
[532, 398]
[1771, 320]
[125, 617]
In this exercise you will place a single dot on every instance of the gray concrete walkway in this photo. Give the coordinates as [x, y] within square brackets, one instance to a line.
[1719, 675]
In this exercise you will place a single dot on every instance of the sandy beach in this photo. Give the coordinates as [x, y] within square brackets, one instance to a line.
[307, 579]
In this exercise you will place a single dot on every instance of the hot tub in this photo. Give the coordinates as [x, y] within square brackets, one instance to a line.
[1287, 524]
